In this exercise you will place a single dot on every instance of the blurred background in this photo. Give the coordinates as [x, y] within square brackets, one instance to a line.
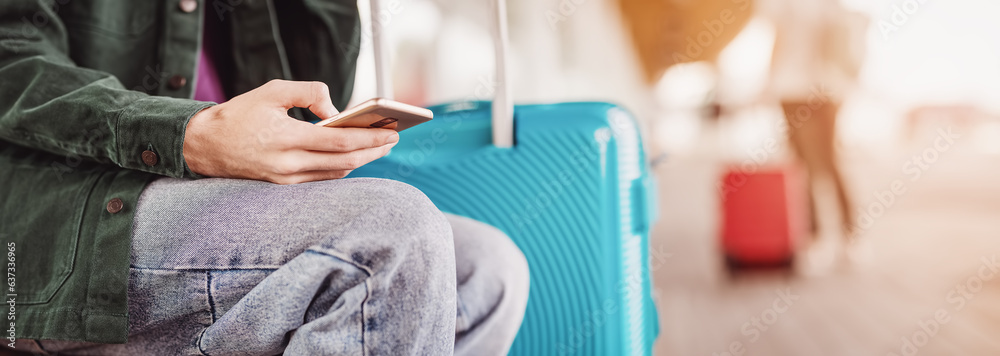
[881, 113]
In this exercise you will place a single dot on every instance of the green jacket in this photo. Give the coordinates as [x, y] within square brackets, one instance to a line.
[87, 88]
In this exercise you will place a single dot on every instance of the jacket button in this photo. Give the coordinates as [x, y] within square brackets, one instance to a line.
[115, 205]
[188, 5]
[177, 82]
[150, 158]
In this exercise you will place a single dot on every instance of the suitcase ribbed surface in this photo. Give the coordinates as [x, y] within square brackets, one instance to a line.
[571, 194]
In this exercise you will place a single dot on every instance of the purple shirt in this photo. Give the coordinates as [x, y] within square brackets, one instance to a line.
[208, 87]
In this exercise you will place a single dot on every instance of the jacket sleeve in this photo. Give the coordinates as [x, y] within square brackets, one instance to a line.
[48, 103]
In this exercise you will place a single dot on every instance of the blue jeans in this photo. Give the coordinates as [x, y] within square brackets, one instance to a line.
[342, 267]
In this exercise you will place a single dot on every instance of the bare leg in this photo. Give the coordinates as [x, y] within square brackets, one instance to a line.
[811, 132]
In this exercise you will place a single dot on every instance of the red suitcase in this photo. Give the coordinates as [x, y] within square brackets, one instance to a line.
[764, 215]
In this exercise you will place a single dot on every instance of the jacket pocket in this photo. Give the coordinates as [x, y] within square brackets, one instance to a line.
[44, 197]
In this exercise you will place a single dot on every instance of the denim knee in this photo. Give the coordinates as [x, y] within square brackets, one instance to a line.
[395, 225]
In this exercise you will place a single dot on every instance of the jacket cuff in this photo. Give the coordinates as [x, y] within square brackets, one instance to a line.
[150, 135]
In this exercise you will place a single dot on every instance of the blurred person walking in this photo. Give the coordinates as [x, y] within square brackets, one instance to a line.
[818, 49]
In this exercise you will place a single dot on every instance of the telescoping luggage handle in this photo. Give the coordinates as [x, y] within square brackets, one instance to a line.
[503, 106]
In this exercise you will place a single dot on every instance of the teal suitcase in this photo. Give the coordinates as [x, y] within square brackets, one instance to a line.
[574, 193]
[571, 186]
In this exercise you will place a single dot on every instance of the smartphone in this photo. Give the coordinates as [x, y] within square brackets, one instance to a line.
[380, 113]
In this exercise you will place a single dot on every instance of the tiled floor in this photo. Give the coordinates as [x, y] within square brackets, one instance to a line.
[933, 238]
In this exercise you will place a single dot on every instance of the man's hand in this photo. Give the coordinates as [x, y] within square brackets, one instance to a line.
[252, 137]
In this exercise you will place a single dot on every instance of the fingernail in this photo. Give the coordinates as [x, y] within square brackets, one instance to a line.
[393, 138]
